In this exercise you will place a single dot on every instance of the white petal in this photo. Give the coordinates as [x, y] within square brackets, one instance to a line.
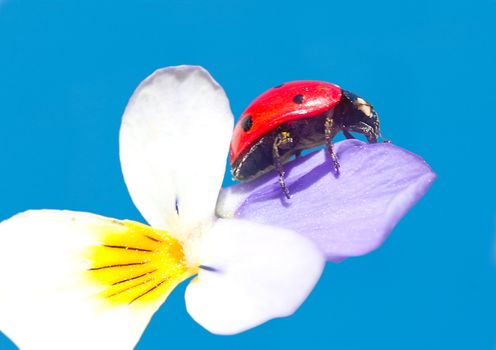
[174, 140]
[50, 297]
[261, 272]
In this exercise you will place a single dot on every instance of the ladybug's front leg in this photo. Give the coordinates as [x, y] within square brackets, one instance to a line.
[328, 130]
[282, 139]
[369, 133]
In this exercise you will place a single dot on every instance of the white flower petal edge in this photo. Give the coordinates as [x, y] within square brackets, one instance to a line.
[260, 272]
[47, 300]
[174, 140]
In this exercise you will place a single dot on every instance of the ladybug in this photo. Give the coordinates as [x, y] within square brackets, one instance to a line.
[292, 117]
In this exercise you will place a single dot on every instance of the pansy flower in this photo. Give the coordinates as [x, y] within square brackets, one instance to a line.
[73, 280]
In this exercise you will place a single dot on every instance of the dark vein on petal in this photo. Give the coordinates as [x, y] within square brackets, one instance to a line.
[154, 239]
[149, 290]
[117, 265]
[209, 268]
[127, 248]
[133, 278]
[129, 288]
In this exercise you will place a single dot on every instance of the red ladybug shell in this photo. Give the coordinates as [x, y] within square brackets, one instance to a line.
[284, 103]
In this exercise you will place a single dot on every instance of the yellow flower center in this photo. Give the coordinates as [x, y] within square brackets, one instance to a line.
[136, 264]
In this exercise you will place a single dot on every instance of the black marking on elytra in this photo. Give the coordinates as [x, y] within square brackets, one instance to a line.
[278, 86]
[149, 290]
[209, 268]
[247, 123]
[134, 278]
[298, 99]
[127, 248]
[117, 265]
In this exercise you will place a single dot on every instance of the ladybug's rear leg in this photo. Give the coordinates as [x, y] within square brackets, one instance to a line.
[328, 129]
[282, 139]
[348, 135]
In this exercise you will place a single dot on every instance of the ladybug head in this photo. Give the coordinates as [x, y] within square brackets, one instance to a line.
[361, 116]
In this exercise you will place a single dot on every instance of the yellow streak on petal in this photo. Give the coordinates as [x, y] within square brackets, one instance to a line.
[136, 264]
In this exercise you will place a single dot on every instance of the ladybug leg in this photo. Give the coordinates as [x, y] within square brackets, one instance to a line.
[328, 128]
[282, 138]
[347, 134]
[369, 133]
[297, 153]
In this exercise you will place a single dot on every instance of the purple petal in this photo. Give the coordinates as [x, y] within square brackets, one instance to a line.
[349, 215]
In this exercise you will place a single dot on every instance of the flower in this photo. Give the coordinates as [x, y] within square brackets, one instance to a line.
[82, 281]
[346, 216]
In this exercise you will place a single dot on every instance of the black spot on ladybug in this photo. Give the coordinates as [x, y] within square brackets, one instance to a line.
[298, 99]
[246, 123]
[278, 86]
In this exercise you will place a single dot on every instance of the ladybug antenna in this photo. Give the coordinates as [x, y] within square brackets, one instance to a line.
[384, 140]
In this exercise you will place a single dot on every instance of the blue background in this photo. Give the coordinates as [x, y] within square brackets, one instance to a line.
[67, 69]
